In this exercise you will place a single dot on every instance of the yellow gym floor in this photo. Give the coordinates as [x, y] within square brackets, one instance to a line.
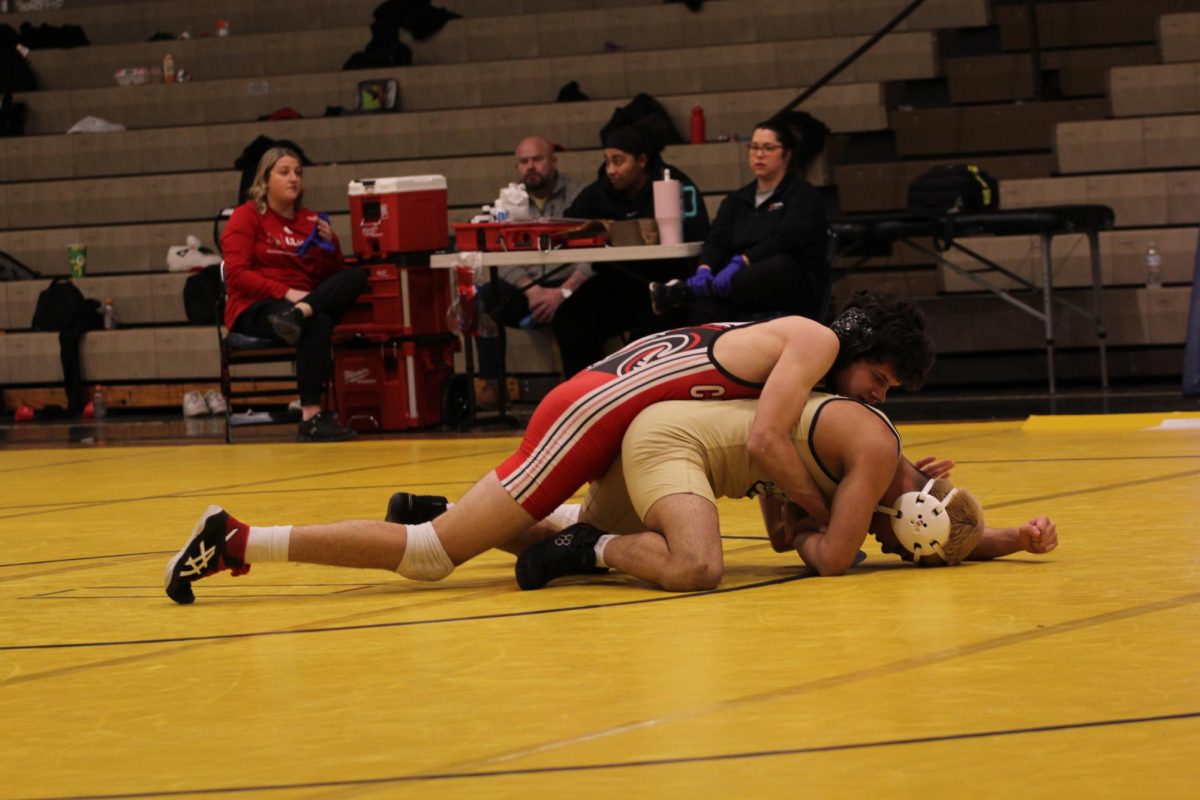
[1070, 675]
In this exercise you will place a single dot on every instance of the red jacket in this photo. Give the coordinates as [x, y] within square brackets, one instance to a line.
[261, 261]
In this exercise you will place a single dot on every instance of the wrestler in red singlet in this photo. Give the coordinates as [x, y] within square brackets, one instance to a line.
[575, 432]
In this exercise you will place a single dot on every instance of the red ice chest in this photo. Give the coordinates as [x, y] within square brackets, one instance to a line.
[398, 215]
[393, 385]
[398, 302]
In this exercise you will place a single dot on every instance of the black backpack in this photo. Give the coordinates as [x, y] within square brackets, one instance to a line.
[954, 188]
[60, 304]
[201, 291]
[648, 114]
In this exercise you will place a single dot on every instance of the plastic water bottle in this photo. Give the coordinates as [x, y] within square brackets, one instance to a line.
[110, 315]
[99, 404]
[1153, 267]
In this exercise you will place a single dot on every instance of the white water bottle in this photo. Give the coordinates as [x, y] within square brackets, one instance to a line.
[110, 315]
[1153, 267]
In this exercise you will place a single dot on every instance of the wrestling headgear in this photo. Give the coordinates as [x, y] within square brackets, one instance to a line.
[854, 330]
[920, 522]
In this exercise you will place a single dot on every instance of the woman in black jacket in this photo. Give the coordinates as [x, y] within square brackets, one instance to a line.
[614, 300]
[766, 253]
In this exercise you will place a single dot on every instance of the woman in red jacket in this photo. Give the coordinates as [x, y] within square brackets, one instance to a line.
[284, 280]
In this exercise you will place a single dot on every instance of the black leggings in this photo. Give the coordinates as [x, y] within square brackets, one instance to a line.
[329, 300]
[775, 286]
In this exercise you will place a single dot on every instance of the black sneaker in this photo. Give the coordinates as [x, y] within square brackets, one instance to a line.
[413, 509]
[666, 296]
[203, 555]
[571, 552]
[287, 324]
[324, 427]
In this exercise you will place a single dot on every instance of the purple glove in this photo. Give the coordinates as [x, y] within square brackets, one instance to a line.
[701, 283]
[722, 285]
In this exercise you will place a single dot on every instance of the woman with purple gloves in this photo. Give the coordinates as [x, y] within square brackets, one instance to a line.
[766, 252]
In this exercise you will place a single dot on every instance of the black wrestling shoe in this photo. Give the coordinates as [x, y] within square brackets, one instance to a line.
[205, 554]
[413, 509]
[324, 427]
[666, 296]
[287, 324]
[571, 552]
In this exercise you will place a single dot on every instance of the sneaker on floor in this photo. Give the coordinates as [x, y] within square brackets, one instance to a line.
[194, 405]
[207, 552]
[214, 401]
[324, 427]
[571, 552]
[666, 296]
[413, 509]
[286, 324]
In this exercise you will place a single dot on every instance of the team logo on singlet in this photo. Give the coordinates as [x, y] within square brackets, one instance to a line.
[647, 351]
[652, 349]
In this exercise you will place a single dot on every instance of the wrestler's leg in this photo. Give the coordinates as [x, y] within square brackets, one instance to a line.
[686, 556]
[485, 517]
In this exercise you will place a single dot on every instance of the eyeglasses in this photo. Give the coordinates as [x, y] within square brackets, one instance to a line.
[763, 148]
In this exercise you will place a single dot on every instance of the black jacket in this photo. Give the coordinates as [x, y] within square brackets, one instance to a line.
[791, 221]
[599, 200]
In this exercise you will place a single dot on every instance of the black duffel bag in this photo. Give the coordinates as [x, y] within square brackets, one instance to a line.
[954, 188]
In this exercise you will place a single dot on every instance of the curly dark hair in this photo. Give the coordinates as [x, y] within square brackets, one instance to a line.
[896, 336]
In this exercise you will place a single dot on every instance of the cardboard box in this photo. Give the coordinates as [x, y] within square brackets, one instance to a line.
[398, 215]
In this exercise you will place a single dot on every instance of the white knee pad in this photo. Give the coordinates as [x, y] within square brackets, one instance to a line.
[424, 557]
[564, 516]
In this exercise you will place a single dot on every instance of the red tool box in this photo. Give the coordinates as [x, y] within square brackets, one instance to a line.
[399, 301]
[393, 385]
[538, 234]
[398, 215]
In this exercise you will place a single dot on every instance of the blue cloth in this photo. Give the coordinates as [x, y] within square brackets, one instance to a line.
[314, 238]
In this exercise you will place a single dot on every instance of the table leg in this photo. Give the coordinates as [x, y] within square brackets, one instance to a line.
[1098, 304]
[1048, 307]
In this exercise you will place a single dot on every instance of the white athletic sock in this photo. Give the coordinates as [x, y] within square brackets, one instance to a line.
[268, 543]
[600, 545]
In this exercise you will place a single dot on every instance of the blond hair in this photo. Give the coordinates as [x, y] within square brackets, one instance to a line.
[258, 189]
[966, 525]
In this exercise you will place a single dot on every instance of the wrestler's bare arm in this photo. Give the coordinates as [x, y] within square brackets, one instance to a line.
[802, 353]
[784, 521]
[1039, 535]
[869, 468]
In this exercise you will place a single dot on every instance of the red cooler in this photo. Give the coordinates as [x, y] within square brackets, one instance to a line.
[390, 216]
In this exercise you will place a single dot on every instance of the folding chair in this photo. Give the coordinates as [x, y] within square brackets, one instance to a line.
[238, 349]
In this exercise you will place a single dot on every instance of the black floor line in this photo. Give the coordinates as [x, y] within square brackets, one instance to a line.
[657, 762]
[234, 486]
[802, 573]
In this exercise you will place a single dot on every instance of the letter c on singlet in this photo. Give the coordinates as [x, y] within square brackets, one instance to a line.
[706, 392]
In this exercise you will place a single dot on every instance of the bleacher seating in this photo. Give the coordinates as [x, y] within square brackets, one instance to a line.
[491, 77]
